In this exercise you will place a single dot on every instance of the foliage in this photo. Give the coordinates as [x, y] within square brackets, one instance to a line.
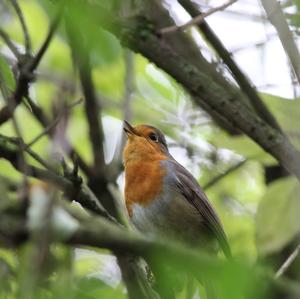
[259, 218]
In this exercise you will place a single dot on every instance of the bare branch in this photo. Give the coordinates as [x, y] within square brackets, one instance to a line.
[10, 44]
[115, 166]
[216, 179]
[208, 93]
[53, 26]
[26, 75]
[92, 106]
[37, 112]
[88, 200]
[37, 255]
[196, 20]
[288, 262]
[244, 82]
[20, 144]
[48, 127]
[23, 25]
[129, 84]
[81, 194]
[277, 19]
[93, 114]
[25, 148]
[100, 233]
[51, 126]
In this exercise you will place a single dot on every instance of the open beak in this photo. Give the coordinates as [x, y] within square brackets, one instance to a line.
[128, 128]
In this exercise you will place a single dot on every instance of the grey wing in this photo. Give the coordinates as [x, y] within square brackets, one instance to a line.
[190, 189]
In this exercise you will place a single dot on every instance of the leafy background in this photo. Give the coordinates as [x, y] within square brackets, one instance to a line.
[260, 219]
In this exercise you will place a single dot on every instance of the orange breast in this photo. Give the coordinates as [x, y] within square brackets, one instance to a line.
[143, 182]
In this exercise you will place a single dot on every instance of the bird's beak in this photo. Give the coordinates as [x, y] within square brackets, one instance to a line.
[129, 129]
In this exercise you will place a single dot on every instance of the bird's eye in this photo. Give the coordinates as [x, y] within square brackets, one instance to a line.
[153, 137]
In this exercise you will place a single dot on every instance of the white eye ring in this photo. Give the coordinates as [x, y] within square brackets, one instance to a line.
[153, 137]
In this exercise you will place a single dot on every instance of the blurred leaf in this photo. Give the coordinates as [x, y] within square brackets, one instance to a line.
[92, 288]
[278, 216]
[241, 145]
[7, 81]
[105, 48]
[287, 112]
[102, 45]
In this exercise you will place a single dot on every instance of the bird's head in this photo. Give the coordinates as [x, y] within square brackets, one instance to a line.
[144, 142]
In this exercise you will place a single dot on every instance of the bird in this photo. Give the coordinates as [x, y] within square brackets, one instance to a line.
[162, 197]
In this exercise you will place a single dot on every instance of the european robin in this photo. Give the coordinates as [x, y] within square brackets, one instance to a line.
[162, 197]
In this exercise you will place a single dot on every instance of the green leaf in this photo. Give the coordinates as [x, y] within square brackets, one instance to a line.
[277, 218]
[105, 48]
[287, 113]
[92, 288]
[242, 145]
[7, 81]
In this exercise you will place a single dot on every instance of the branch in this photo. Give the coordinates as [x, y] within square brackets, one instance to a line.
[93, 114]
[116, 165]
[288, 262]
[184, 260]
[53, 26]
[81, 56]
[277, 19]
[98, 180]
[129, 84]
[81, 194]
[10, 44]
[216, 179]
[100, 233]
[244, 82]
[182, 43]
[38, 256]
[38, 112]
[26, 75]
[48, 128]
[23, 25]
[137, 286]
[207, 93]
[53, 124]
[197, 19]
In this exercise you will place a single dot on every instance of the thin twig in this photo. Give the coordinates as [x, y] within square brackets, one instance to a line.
[22, 159]
[92, 105]
[52, 124]
[83, 195]
[277, 18]
[10, 44]
[99, 233]
[45, 131]
[26, 75]
[43, 120]
[37, 259]
[288, 262]
[25, 148]
[244, 82]
[37, 111]
[23, 25]
[93, 113]
[53, 26]
[224, 174]
[39, 159]
[196, 20]
[129, 82]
